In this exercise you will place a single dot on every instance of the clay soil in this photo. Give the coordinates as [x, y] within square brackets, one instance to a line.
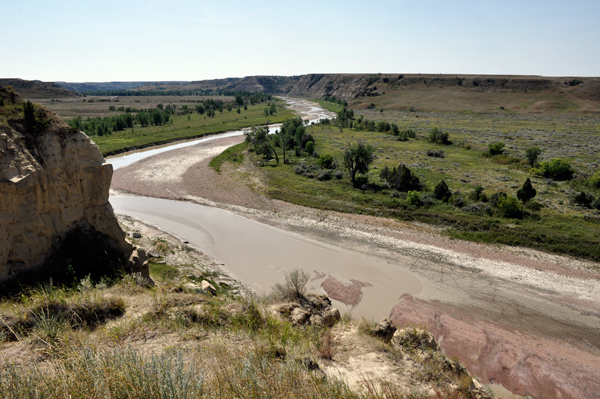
[518, 317]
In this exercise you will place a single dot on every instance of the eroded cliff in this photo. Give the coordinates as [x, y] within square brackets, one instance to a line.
[54, 211]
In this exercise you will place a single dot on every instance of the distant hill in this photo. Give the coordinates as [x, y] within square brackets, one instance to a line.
[100, 86]
[32, 89]
[417, 92]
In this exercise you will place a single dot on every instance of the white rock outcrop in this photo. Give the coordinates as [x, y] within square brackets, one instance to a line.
[51, 183]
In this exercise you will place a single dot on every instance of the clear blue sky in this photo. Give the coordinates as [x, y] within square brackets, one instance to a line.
[192, 40]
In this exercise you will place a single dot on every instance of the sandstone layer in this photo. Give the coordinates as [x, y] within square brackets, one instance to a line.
[54, 185]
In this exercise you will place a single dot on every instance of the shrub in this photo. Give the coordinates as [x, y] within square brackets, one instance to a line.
[306, 170]
[442, 192]
[405, 180]
[496, 148]
[477, 194]
[595, 180]
[459, 201]
[509, 207]
[324, 174]
[439, 137]
[326, 161]
[295, 285]
[585, 199]
[478, 208]
[413, 198]
[310, 147]
[496, 197]
[556, 168]
[436, 153]
[527, 192]
[402, 136]
[532, 155]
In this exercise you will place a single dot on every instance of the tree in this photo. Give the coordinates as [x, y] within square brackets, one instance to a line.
[442, 192]
[405, 180]
[283, 135]
[532, 155]
[357, 158]
[157, 117]
[259, 138]
[238, 99]
[29, 114]
[527, 192]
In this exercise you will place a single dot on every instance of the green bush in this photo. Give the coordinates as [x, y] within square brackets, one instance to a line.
[326, 161]
[439, 137]
[442, 192]
[557, 168]
[413, 198]
[478, 195]
[585, 199]
[595, 180]
[509, 207]
[310, 147]
[496, 148]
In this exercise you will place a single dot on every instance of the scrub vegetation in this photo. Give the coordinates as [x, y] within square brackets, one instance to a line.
[517, 180]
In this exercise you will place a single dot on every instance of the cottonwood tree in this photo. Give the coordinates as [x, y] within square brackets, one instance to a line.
[357, 158]
[259, 138]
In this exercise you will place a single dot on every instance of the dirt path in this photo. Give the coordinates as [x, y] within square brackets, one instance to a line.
[519, 317]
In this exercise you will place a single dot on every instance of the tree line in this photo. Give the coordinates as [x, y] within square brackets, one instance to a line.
[101, 126]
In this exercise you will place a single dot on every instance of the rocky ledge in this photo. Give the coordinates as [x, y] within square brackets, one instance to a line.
[55, 218]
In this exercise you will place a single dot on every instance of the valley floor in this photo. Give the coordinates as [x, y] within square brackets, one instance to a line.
[522, 318]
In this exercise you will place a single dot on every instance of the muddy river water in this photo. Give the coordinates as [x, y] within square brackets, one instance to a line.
[259, 255]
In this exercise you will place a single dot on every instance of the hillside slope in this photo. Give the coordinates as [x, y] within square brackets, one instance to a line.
[31, 89]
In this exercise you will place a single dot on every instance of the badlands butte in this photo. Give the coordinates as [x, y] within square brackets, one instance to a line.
[515, 299]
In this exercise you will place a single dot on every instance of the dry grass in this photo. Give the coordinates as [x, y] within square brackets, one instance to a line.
[169, 342]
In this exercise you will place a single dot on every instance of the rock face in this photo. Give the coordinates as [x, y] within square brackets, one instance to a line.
[54, 184]
[314, 310]
[385, 330]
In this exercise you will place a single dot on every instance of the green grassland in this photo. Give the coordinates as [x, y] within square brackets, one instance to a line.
[553, 222]
[329, 106]
[186, 127]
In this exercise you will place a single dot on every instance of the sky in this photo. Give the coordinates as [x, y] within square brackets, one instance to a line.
[136, 40]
